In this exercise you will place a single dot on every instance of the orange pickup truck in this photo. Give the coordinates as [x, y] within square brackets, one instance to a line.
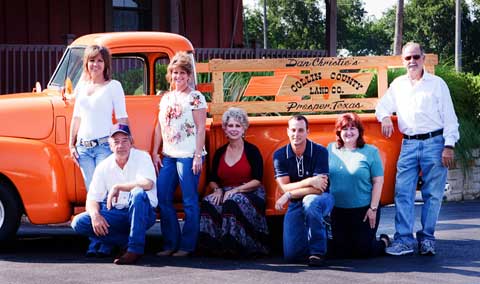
[39, 179]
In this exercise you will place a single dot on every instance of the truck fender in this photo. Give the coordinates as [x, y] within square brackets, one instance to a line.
[36, 171]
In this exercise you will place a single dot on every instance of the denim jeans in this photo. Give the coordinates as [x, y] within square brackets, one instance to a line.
[128, 226]
[173, 172]
[304, 231]
[416, 155]
[89, 158]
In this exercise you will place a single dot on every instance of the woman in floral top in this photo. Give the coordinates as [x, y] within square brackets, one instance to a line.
[181, 133]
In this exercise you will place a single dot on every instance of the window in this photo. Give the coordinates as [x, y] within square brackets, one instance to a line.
[161, 84]
[132, 15]
[71, 66]
[131, 72]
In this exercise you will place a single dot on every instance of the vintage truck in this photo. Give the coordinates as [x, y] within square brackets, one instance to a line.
[39, 179]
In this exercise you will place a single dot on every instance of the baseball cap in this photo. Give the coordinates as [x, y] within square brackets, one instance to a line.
[118, 127]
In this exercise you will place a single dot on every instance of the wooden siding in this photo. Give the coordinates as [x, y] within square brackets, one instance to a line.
[207, 23]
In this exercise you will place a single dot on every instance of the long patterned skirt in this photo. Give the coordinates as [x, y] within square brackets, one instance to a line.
[237, 227]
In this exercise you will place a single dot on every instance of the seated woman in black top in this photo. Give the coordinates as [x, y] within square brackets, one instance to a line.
[232, 218]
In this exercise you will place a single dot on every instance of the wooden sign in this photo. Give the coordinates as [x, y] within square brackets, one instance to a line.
[305, 85]
[325, 83]
[304, 106]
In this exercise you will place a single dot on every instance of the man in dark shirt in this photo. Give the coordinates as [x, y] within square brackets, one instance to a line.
[301, 169]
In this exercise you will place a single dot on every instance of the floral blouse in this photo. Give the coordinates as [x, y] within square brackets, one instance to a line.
[178, 126]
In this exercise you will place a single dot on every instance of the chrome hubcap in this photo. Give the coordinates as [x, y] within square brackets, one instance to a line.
[2, 214]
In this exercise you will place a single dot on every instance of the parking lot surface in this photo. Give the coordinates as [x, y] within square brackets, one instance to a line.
[55, 254]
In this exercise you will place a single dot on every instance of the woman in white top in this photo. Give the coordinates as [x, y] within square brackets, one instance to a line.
[97, 96]
[181, 132]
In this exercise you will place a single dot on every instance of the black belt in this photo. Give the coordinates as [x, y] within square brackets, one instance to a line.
[424, 136]
[94, 142]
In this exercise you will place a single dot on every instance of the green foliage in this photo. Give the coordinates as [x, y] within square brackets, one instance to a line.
[465, 92]
[432, 24]
[132, 81]
[292, 24]
[357, 33]
[161, 83]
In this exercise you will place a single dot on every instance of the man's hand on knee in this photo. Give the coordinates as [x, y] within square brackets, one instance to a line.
[100, 225]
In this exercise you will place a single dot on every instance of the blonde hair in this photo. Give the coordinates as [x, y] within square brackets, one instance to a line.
[180, 60]
[93, 50]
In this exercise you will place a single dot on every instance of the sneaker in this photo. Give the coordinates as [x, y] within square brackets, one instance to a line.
[426, 247]
[181, 253]
[316, 260]
[167, 252]
[399, 248]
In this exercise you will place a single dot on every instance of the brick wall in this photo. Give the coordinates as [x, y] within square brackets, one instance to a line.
[464, 187]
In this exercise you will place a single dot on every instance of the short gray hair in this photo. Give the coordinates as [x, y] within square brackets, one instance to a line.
[412, 43]
[237, 114]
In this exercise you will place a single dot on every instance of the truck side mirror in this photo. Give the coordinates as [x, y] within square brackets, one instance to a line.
[67, 91]
[37, 88]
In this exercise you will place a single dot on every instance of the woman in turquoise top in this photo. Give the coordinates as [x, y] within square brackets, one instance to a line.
[356, 180]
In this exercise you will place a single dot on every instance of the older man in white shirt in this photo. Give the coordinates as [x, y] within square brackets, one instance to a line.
[122, 197]
[427, 120]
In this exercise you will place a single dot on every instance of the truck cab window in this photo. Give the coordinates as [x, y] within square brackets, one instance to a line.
[131, 72]
[161, 84]
[70, 66]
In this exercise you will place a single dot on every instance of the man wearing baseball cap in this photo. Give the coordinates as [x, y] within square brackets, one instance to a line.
[122, 197]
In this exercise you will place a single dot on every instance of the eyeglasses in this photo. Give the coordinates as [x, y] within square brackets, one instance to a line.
[416, 57]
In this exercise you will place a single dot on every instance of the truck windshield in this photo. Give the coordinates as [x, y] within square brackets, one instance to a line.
[70, 66]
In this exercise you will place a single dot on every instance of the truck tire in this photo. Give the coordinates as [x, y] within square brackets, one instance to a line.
[10, 212]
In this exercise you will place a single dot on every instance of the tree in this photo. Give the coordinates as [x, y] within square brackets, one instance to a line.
[432, 24]
[291, 24]
[301, 25]
[397, 42]
[357, 33]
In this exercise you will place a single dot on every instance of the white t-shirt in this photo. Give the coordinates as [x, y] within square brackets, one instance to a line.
[178, 127]
[108, 173]
[95, 111]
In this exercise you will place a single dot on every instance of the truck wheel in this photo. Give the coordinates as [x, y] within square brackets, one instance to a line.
[10, 212]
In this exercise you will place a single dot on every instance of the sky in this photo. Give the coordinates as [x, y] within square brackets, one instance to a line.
[373, 7]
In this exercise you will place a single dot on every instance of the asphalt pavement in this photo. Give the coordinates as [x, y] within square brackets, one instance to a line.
[55, 254]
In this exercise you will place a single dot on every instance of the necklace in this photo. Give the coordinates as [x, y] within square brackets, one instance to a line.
[300, 169]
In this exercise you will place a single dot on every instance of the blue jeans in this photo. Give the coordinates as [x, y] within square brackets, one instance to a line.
[304, 231]
[89, 158]
[174, 171]
[416, 155]
[128, 226]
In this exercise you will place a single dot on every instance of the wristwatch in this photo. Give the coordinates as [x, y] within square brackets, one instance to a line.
[374, 209]
[289, 195]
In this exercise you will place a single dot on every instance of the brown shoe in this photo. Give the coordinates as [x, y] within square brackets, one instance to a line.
[128, 258]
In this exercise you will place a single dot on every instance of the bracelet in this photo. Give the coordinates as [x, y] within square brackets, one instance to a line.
[197, 155]
[374, 209]
[289, 195]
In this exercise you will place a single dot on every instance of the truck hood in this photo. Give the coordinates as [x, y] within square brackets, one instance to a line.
[27, 115]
